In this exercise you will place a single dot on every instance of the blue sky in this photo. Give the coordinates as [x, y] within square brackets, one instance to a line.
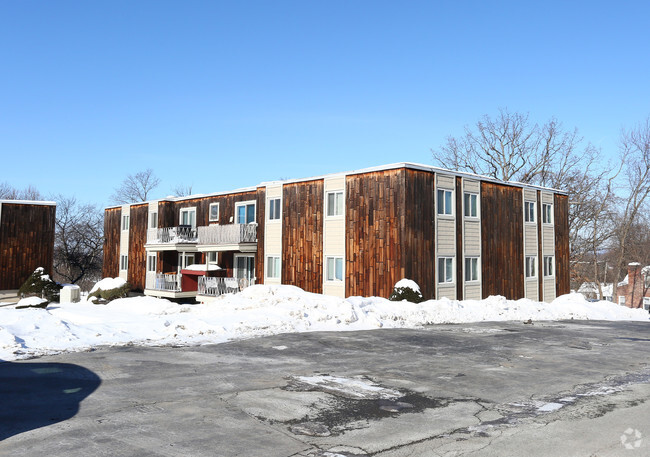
[222, 95]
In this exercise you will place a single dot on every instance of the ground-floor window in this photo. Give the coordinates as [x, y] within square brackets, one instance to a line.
[334, 268]
[244, 266]
[273, 267]
[185, 259]
[621, 299]
[211, 257]
[549, 262]
[531, 263]
[445, 269]
[471, 269]
[151, 263]
[124, 262]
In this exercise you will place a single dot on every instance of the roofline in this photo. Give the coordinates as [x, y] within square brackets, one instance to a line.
[28, 202]
[392, 166]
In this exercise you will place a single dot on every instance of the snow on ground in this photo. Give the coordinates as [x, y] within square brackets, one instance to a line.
[108, 284]
[260, 310]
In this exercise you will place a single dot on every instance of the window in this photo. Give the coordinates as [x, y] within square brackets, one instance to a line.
[549, 263]
[245, 266]
[621, 299]
[531, 261]
[547, 213]
[125, 222]
[245, 212]
[445, 269]
[335, 203]
[124, 262]
[274, 209]
[151, 263]
[334, 268]
[471, 205]
[188, 217]
[273, 267]
[153, 220]
[471, 269]
[445, 198]
[214, 212]
[646, 303]
[211, 257]
[185, 259]
[529, 211]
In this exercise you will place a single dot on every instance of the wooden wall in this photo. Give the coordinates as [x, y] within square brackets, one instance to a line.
[374, 227]
[418, 238]
[137, 239]
[261, 214]
[26, 242]
[502, 228]
[226, 208]
[111, 242]
[302, 235]
[562, 277]
[460, 258]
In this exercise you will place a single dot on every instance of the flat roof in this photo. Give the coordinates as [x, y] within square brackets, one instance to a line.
[392, 166]
[28, 202]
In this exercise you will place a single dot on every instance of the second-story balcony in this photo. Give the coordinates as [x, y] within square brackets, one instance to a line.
[230, 237]
[169, 238]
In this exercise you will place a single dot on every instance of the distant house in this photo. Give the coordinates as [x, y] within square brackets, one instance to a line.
[26, 240]
[634, 290]
[590, 291]
[458, 235]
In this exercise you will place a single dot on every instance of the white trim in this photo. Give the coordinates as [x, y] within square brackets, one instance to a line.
[33, 202]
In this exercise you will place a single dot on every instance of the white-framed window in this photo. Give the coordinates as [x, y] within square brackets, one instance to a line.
[531, 266]
[245, 212]
[529, 211]
[334, 268]
[211, 257]
[153, 219]
[646, 303]
[274, 209]
[124, 262]
[245, 266]
[125, 221]
[471, 269]
[621, 299]
[185, 259]
[471, 204]
[547, 213]
[445, 202]
[273, 267]
[213, 215]
[445, 269]
[188, 217]
[151, 262]
[335, 203]
[549, 265]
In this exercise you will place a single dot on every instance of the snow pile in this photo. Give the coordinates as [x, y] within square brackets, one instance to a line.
[408, 284]
[108, 284]
[260, 310]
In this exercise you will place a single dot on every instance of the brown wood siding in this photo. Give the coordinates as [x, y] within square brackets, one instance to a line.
[166, 215]
[375, 226]
[561, 214]
[502, 243]
[460, 289]
[261, 221]
[302, 235]
[226, 207]
[110, 268]
[137, 239]
[418, 239]
[26, 242]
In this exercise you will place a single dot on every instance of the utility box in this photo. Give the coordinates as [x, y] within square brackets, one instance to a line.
[70, 294]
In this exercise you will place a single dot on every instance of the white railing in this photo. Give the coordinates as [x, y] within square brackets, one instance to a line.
[228, 234]
[219, 286]
[162, 281]
[180, 234]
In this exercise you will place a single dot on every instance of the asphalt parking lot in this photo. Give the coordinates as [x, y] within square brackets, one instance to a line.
[489, 389]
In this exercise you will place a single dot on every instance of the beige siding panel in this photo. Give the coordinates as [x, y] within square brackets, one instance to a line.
[273, 238]
[472, 237]
[335, 183]
[447, 291]
[471, 186]
[445, 182]
[333, 236]
[547, 197]
[274, 191]
[472, 291]
[334, 240]
[532, 289]
[530, 195]
[446, 237]
[334, 289]
[530, 239]
[548, 240]
[549, 290]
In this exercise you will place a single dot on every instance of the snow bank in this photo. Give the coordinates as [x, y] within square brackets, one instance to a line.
[408, 284]
[260, 310]
[108, 284]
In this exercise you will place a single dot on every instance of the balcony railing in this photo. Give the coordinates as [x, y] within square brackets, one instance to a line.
[228, 234]
[180, 234]
[218, 286]
[166, 282]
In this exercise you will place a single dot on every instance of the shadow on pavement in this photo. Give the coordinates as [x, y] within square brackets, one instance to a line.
[34, 395]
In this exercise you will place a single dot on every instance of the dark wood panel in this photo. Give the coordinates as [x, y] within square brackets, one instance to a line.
[540, 255]
[375, 226]
[418, 238]
[112, 220]
[137, 239]
[261, 221]
[460, 258]
[26, 242]
[502, 228]
[561, 214]
[302, 235]
[202, 204]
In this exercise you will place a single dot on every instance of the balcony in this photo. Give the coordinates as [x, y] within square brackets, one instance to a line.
[213, 287]
[168, 285]
[169, 238]
[231, 237]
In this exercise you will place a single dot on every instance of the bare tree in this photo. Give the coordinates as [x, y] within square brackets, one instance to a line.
[135, 188]
[8, 192]
[78, 245]
[182, 190]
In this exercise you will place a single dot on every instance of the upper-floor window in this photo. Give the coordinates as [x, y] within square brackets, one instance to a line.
[153, 219]
[445, 199]
[245, 212]
[445, 269]
[335, 203]
[471, 204]
[529, 211]
[531, 263]
[547, 213]
[125, 222]
[214, 212]
[274, 209]
[188, 217]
